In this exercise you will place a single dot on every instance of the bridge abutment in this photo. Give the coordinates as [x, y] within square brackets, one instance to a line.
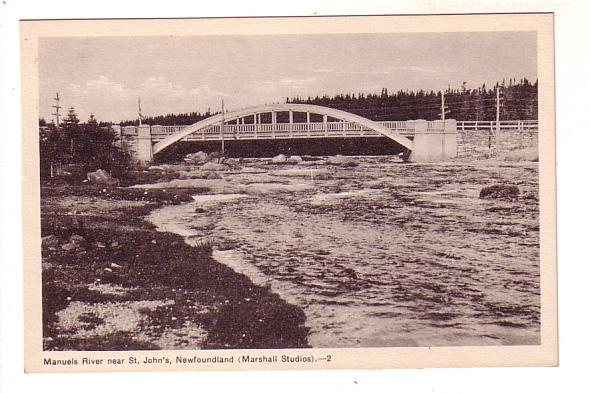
[435, 143]
[142, 151]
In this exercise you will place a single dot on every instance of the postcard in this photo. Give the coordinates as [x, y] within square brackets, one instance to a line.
[346, 192]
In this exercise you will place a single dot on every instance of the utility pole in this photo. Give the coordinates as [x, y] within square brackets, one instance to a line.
[221, 128]
[443, 107]
[57, 108]
[497, 108]
[140, 116]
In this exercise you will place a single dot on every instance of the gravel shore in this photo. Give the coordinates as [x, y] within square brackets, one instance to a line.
[112, 282]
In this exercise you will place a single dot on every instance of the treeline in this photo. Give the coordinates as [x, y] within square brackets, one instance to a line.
[87, 146]
[518, 101]
[170, 119]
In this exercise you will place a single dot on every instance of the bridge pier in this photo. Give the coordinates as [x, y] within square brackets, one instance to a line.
[434, 144]
[142, 149]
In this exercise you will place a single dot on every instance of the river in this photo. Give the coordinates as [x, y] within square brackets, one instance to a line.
[383, 254]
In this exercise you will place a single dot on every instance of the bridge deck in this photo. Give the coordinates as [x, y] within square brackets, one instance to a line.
[337, 129]
[274, 131]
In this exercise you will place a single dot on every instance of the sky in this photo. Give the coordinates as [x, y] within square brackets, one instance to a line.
[106, 75]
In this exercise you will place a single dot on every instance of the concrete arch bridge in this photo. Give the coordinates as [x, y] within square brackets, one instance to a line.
[424, 141]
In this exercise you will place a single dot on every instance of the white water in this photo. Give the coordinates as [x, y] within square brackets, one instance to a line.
[384, 254]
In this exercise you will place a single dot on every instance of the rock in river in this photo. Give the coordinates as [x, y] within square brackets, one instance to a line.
[500, 191]
[198, 157]
[280, 159]
[341, 160]
[213, 175]
[213, 166]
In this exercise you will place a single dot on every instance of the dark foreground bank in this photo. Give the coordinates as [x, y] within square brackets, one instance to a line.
[100, 256]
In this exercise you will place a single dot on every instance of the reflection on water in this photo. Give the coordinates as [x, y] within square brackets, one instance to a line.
[386, 254]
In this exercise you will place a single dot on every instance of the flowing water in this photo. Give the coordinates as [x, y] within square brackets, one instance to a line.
[385, 253]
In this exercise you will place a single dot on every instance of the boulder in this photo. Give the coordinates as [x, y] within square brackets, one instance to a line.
[161, 168]
[213, 176]
[280, 159]
[216, 155]
[213, 166]
[49, 241]
[77, 240]
[231, 162]
[69, 247]
[193, 174]
[295, 159]
[101, 177]
[199, 157]
[312, 163]
[500, 191]
[341, 160]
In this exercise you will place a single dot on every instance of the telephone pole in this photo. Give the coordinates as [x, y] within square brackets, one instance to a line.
[140, 116]
[221, 127]
[57, 108]
[443, 107]
[497, 108]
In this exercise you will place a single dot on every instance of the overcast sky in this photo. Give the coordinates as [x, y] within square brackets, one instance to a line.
[181, 74]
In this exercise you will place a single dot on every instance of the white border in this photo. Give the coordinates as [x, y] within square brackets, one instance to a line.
[572, 141]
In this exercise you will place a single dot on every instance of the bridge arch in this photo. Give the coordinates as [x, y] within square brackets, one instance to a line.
[305, 108]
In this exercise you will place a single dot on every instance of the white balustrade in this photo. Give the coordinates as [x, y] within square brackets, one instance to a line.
[320, 129]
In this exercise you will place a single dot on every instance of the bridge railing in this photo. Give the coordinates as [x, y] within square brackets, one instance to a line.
[504, 125]
[321, 129]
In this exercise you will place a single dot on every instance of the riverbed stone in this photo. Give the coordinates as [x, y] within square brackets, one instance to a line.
[199, 157]
[213, 175]
[49, 241]
[500, 191]
[313, 163]
[280, 159]
[101, 177]
[232, 163]
[341, 160]
[213, 166]
[77, 240]
[69, 247]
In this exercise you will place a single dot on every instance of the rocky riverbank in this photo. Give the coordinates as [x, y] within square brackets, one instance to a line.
[112, 282]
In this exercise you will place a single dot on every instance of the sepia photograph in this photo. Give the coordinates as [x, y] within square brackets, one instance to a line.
[291, 185]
